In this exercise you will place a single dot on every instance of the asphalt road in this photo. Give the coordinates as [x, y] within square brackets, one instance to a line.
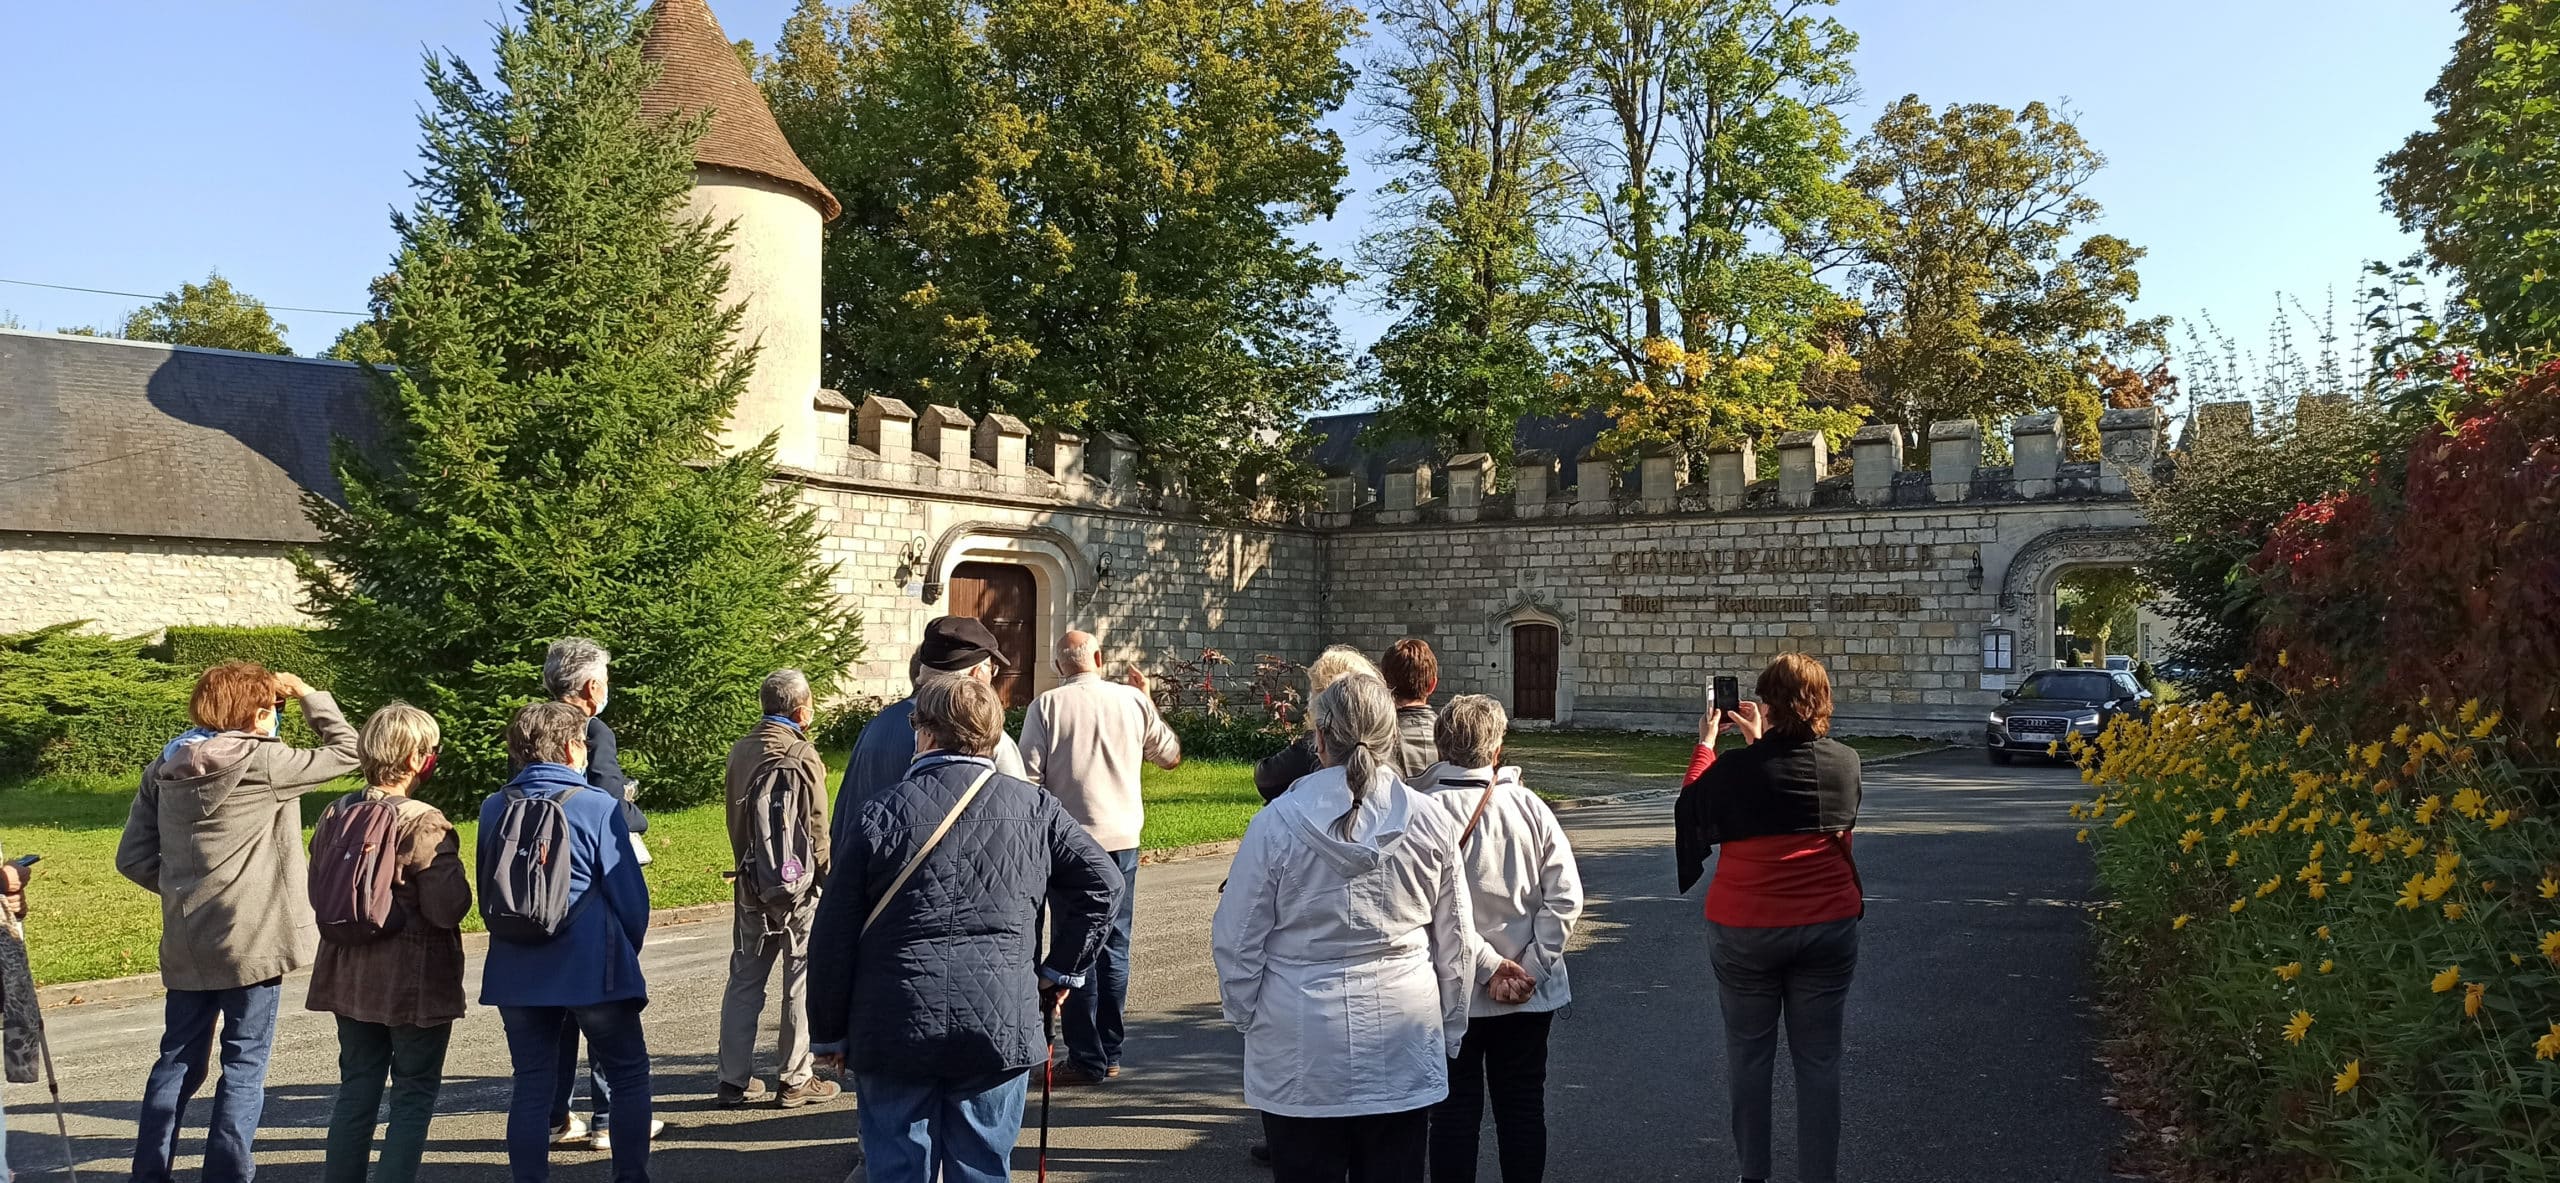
[1968, 1045]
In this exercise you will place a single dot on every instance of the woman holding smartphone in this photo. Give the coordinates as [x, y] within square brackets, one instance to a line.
[1783, 909]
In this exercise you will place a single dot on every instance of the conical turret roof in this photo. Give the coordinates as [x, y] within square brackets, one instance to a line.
[699, 69]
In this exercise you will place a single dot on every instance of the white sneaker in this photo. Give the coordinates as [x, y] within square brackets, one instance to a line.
[603, 1140]
[571, 1132]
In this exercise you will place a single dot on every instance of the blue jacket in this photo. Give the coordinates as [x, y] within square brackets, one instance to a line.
[947, 984]
[596, 958]
[880, 759]
[604, 772]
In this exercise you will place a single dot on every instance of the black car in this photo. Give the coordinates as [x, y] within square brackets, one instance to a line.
[2052, 705]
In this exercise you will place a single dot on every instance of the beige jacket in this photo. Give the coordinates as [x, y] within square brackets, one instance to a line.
[1085, 742]
[217, 832]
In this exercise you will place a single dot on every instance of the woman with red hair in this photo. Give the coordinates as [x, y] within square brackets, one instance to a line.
[1783, 910]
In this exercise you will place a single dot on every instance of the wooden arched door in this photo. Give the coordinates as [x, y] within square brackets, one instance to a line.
[1003, 598]
[1533, 671]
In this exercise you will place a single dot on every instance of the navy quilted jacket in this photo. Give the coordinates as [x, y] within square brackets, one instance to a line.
[947, 984]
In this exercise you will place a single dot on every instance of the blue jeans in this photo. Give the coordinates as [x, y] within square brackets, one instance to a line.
[248, 1015]
[618, 1052]
[599, 1095]
[1094, 1021]
[918, 1128]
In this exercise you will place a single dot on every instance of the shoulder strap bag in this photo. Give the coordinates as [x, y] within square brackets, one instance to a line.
[1477, 818]
[917, 859]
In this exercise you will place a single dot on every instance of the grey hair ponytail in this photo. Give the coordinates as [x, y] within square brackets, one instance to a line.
[1355, 719]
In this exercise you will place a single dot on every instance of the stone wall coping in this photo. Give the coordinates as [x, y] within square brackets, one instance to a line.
[1878, 433]
[883, 407]
[2045, 423]
[1955, 429]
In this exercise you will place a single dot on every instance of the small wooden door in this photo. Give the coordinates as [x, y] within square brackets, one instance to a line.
[1001, 596]
[1533, 671]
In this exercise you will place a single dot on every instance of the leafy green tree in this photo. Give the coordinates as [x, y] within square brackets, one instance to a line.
[212, 314]
[2477, 185]
[361, 341]
[2100, 602]
[548, 463]
[1979, 302]
[1713, 159]
[1081, 211]
[1474, 93]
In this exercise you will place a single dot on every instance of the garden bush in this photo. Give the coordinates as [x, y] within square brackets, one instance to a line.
[1228, 735]
[196, 648]
[78, 702]
[2335, 949]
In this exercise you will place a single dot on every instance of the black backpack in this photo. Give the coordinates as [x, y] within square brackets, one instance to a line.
[525, 879]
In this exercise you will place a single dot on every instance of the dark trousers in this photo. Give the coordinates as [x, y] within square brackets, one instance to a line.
[618, 1053]
[1507, 1055]
[599, 1096]
[248, 1015]
[1371, 1148]
[413, 1058]
[1094, 1022]
[1800, 973]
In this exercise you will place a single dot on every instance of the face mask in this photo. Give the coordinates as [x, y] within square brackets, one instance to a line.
[274, 727]
[602, 693]
[429, 769]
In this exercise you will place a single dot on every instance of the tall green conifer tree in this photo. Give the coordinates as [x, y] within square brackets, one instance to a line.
[548, 463]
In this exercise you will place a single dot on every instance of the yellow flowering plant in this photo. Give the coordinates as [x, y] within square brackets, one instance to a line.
[2436, 1049]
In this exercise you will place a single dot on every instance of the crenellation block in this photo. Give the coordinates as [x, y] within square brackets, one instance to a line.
[1877, 454]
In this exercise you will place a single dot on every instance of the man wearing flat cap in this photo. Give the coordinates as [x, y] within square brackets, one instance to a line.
[953, 647]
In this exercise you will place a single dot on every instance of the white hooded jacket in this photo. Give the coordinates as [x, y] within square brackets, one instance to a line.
[1346, 960]
[1524, 889]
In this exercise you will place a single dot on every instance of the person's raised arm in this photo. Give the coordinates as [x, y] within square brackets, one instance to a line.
[291, 772]
[1163, 747]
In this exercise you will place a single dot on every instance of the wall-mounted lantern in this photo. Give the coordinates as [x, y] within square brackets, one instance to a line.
[1973, 575]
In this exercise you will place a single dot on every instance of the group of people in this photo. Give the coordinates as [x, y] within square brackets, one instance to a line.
[1391, 938]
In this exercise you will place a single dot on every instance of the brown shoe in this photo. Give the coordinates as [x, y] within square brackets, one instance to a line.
[1067, 1076]
[813, 1091]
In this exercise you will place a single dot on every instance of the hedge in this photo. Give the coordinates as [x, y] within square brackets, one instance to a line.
[77, 702]
[195, 648]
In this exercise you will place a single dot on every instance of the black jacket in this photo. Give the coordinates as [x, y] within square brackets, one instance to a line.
[604, 772]
[1775, 786]
[947, 983]
[1273, 774]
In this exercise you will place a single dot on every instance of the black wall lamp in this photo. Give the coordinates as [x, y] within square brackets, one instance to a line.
[1973, 576]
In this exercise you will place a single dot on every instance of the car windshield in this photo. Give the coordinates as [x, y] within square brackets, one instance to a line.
[2070, 687]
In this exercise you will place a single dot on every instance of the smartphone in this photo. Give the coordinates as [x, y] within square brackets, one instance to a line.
[1728, 693]
[24, 861]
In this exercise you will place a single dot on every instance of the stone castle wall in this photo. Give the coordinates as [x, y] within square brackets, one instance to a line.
[1906, 582]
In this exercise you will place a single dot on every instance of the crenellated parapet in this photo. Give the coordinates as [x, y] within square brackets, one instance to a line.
[942, 450]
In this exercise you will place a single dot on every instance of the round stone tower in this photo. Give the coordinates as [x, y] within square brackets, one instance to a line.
[747, 174]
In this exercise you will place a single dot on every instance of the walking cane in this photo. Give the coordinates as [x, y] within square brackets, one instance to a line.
[1048, 1070]
[52, 1083]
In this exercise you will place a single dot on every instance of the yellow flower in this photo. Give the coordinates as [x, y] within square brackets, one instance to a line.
[2429, 808]
[2082, 837]
[2219, 813]
[2238, 904]
[2346, 1080]
[2548, 1047]
[2317, 891]
[2346, 877]
[2124, 819]
[2472, 996]
[2400, 736]
[2289, 970]
[2412, 893]
[2453, 910]
[2324, 932]
[2241, 675]
[2487, 725]
[2413, 847]
[2470, 802]
[2373, 754]
[2269, 887]
[2470, 710]
[2190, 840]
[2447, 860]
[2446, 981]
[2328, 965]
[2499, 820]
[2302, 738]
[2179, 922]
[2551, 945]
[2550, 888]
[2284, 657]
[2299, 1027]
[2232, 859]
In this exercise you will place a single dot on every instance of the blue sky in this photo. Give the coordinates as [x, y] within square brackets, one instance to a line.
[153, 140]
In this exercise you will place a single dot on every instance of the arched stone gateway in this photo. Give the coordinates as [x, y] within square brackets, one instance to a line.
[973, 554]
[2026, 604]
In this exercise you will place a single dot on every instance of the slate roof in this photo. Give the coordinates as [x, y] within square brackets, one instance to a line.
[1337, 443]
[104, 436]
[698, 69]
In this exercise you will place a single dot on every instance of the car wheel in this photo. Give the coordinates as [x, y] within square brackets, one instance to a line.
[2001, 755]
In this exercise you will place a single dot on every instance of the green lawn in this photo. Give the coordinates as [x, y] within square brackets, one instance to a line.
[87, 922]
